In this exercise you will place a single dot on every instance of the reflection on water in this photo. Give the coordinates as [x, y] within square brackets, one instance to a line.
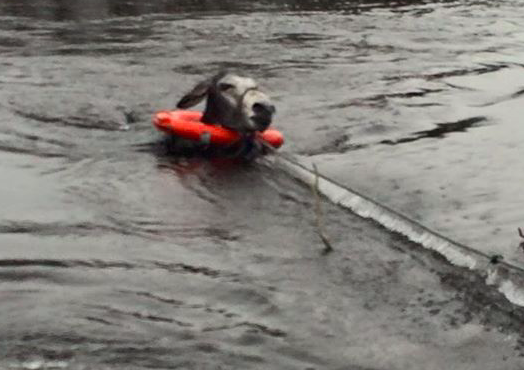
[58, 10]
[115, 253]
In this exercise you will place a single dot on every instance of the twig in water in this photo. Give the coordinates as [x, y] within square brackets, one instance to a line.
[318, 206]
[521, 244]
[495, 259]
[318, 211]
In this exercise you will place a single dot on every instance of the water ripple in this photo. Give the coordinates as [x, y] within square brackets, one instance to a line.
[441, 131]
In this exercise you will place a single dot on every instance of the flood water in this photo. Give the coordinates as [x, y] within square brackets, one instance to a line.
[115, 254]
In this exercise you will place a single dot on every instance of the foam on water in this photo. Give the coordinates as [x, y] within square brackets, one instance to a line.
[506, 277]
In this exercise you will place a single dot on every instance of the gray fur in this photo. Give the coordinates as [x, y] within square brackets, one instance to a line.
[232, 101]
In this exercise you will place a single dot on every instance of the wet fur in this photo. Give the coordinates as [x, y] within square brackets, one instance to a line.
[232, 112]
[246, 109]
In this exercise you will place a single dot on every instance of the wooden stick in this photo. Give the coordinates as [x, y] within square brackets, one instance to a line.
[521, 244]
[318, 205]
[318, 212]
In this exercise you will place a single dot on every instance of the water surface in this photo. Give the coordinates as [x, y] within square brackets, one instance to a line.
[115, 254]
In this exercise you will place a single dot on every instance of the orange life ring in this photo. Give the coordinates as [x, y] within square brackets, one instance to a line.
[187, 125]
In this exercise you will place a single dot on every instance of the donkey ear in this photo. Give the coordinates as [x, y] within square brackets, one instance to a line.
[195, 96]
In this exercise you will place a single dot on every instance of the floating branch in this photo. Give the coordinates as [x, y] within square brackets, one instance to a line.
[521, 244]
[318, 212]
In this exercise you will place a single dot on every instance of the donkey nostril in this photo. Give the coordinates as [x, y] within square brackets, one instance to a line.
[263, 109]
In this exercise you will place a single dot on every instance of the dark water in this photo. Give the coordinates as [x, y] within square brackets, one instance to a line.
[114, 254]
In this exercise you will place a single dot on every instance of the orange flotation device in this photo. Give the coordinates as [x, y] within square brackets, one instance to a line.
[186, 124]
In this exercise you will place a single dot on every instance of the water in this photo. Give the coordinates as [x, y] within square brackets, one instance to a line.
[441, 141]
[115, 254]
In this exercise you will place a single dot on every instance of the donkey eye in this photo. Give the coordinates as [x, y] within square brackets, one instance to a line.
[225, 86]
